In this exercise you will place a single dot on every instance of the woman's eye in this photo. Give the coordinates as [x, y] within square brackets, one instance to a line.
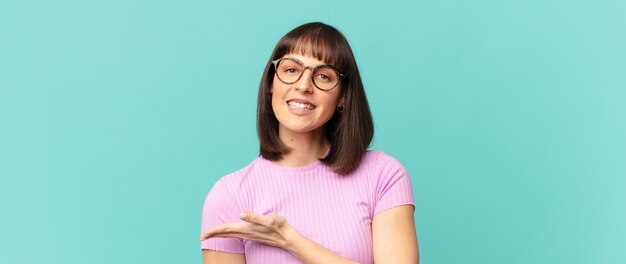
[324, 77]
[291, 70]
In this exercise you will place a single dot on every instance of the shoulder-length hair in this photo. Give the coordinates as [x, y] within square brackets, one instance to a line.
[349, 132]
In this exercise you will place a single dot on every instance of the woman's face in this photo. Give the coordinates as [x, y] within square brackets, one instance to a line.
[301, 107]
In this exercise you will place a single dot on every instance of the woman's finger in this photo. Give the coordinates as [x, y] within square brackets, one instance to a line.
[255, 218]
[224, 229]
[271, 221]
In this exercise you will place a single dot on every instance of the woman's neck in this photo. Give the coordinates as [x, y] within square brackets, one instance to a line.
[306, 148]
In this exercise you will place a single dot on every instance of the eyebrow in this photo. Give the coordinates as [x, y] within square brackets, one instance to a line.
[323, 64]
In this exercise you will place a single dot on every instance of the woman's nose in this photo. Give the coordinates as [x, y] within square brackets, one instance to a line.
[306, 81]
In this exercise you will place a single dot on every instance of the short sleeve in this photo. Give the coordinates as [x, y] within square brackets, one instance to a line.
[394, 185]
[221, 207]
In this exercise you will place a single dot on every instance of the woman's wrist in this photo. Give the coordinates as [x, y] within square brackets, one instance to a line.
[308, 251]
[292, 239]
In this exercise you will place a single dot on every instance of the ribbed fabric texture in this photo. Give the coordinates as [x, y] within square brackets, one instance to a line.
[334, 211]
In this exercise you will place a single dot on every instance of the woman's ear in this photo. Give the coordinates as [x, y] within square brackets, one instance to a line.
[341, 102]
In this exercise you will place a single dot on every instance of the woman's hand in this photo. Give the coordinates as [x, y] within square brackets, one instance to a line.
[275, 231]
[267, 229]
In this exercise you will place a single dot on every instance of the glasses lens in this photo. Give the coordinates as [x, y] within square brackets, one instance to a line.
[325, 77]
[289, 70]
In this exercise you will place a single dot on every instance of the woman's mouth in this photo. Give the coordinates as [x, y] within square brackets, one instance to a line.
[300, 106]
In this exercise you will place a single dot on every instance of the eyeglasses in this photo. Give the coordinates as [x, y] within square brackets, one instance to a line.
[289, 71]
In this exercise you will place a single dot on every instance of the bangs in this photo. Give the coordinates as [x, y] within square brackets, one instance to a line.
[321, 43]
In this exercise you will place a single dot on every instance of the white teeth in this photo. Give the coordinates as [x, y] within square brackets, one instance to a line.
[301, 106]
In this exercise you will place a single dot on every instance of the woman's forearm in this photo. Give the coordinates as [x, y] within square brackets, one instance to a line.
[310, 252]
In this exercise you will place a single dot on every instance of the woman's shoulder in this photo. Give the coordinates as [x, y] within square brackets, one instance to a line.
[379, 158]
[239, 175]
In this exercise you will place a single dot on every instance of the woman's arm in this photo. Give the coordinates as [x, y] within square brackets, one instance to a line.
[213, 257]
[218, 257]
[275, 231]
[394, 236]
[395, 239]
[310, 252]
[393, 231]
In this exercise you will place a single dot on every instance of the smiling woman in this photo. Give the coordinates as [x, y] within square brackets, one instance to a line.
[316, 194]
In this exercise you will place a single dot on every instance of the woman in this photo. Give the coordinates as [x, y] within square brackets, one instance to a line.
[315, 194]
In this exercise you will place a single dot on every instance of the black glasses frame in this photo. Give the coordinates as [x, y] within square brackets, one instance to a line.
[276, 62]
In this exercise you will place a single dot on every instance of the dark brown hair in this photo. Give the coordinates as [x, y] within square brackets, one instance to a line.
[350, 132]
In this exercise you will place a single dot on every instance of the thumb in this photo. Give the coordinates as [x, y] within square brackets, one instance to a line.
[251, 217]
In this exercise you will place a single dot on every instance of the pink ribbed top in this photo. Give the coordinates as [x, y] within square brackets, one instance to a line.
[333, 210]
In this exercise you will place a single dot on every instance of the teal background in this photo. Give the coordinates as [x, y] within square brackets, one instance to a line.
[116, 117]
